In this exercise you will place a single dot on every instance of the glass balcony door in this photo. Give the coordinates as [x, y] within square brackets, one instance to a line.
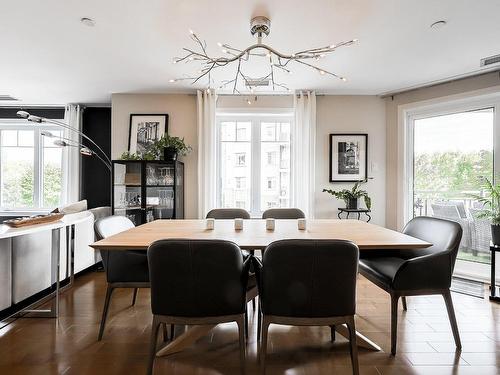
[453, 154]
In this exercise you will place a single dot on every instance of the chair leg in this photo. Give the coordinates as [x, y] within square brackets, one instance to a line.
[152, 348]
[241, 332]
[353, 346]
[165, 333]
[246, 323]
[263, 344]
[259, 323]
[332, 333]
[134, 296]
[394, 323]
[453, 319]
[172, 332]
[107, 300]
[253, 304]
[405, 306]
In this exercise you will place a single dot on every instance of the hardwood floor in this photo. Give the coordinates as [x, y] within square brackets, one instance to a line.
[425, 341]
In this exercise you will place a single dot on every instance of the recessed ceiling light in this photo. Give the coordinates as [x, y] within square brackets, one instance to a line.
[87, 21]
[438, 24]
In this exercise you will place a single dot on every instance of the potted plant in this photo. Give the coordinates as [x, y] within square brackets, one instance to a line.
[350, 197]
[491, 208]
[171, 147]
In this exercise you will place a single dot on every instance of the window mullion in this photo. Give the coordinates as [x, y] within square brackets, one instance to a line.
[256, 188]
[37, 175]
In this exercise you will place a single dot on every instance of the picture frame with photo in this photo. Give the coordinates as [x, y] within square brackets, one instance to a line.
[348, 157]
[144, 130]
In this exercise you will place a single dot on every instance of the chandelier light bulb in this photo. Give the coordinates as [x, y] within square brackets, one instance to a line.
[172, 80]
[344, 79]
[191, 32]
[249, 102]
[224, 51]
[191, 58]
[219, 44]
[332, 46]
[322, 72]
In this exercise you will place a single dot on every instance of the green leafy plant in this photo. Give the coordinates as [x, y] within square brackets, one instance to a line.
[354, 193]
[491, 202]
[149, 154]
[176, 143]
[129, 156]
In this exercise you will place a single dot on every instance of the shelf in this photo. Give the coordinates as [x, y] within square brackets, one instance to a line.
[132, 208]
[128, 185]
[170, 185]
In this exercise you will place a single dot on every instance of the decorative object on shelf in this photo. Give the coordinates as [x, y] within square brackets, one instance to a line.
[348, 157]
[129, 156]
[144, 131]
[259, 27]
[491, 207]
[33, 220]
[350, 197]
[91, 150]
[171, 147]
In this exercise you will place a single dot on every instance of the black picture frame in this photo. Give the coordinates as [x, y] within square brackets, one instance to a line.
[350, 169]
[161, 118]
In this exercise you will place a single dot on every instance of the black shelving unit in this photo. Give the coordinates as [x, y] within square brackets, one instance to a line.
[146, 190]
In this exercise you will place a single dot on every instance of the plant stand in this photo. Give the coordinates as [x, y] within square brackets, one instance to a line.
[358, 211]
[494, 290]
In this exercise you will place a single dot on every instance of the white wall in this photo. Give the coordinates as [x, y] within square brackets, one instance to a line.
[356, 114]
[182, 122]
[351, 114]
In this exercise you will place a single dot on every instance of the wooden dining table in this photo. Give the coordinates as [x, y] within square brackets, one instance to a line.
[254, 236]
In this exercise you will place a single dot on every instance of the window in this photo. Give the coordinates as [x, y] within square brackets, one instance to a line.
[31, 167]
[241, 159]
[240, 182]
[254, 161]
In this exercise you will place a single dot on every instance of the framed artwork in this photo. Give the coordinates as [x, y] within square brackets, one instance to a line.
[348, 157]
[144, 130]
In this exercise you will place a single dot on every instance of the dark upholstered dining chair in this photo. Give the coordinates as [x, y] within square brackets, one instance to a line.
[283, 213]
[417, 272]
[228, 213]
[124, 269]
[206, 283]
[316, 286]
[237, 213]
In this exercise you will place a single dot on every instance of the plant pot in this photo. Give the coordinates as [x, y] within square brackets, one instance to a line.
[495, 234]
[352, 203]
[170, 153]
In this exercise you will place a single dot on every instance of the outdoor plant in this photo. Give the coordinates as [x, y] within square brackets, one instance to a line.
[491, 202]
[353, 194]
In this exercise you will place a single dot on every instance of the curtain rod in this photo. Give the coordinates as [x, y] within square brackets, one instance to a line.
[459, 77]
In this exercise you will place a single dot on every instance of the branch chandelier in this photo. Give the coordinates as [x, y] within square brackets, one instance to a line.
[259, 27]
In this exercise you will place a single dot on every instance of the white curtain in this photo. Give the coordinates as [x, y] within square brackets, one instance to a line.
[71, 179]
[303, 152]
[207, 145]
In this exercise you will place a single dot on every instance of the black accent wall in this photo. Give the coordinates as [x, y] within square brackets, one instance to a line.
[95, 184]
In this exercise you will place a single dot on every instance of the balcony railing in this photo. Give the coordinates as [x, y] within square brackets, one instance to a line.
[458, 207]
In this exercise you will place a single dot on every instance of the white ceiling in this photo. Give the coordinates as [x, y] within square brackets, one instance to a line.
[47, 56]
